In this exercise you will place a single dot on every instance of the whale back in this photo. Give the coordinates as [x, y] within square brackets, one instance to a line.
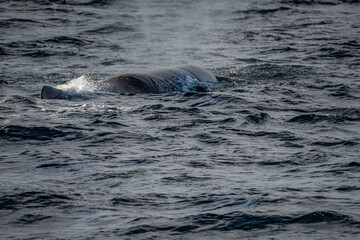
[199, 73]
[156, 81]
[128, 83]
[195, 72]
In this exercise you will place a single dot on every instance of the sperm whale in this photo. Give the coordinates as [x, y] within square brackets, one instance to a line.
[156, 81]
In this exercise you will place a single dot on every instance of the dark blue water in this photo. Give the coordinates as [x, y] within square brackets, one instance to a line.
[272, 151]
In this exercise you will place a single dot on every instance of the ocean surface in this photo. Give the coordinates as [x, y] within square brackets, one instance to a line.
[270, 152]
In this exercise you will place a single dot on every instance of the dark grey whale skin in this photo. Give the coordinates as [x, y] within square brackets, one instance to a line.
[157, 81]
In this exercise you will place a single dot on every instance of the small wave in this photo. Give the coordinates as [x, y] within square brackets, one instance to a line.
[215, 201]
[338, 143]
[17, 22]
[3, 82]
[347, 188]
[32, 199]
[110, 62]
[68, 40]
[44, 48]
[323, 216]
[240, 221]
[339, 50]
[331, 115]
[258, 118]
[343, 91]
[87, 2]
[19, 133]
[31, 218]
[353, 164]
[112, 28]
[53, 165]
[3, 51]
[283, 136]
[317, 2]
[47, 53]
[262, 11]
[352, 44]
[336, 54]
[315, 118]
[38, 54]
[248, 60]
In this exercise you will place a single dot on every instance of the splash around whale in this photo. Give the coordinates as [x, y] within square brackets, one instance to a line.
[157, 81]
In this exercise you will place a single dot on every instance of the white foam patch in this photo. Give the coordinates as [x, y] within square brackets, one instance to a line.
[78, 85]
[189, 84]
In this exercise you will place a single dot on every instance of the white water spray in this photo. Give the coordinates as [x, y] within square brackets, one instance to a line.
[78, 85]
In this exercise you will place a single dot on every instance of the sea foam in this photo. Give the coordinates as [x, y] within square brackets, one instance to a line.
[78, 85]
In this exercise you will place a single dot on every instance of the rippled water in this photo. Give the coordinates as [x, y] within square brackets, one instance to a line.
[272, 151]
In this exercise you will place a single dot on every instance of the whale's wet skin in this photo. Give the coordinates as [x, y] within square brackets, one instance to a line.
[269, 151]
[156, 81]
